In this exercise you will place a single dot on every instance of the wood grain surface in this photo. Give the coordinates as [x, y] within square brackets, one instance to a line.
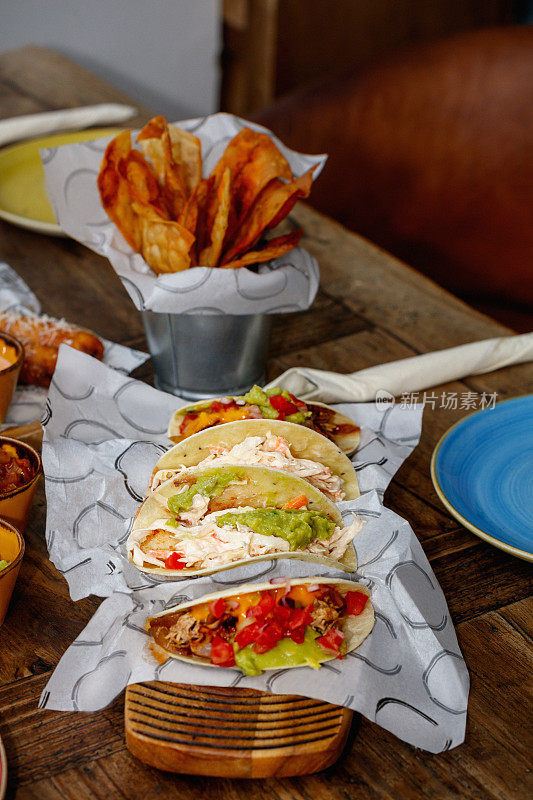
[370, 309]
[232, 732]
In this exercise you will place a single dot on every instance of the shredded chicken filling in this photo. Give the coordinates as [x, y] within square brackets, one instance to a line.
[185, 633]
[267, 451]
[208, 544]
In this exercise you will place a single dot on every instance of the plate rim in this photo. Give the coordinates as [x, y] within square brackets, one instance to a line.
[30, 223]
[526, 555]
[49, 228]
[3, 776]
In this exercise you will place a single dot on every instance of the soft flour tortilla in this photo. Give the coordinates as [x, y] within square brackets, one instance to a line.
[347, 442]
[264, 488]
[355, 629]
[304, 443]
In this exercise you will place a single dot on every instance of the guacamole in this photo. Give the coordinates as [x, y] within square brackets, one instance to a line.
[260, 397]
[210, 483]
[285, 653]
[298, 527]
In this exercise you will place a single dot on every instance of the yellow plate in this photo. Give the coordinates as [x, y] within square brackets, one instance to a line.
[23, 197]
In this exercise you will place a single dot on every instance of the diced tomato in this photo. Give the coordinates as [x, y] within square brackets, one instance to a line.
[268, 638]
[281, 614]
[282, 405]
[222, 653]
[299, 617]
[217, 607]
[355, 602]
[331, 640]
[216, 405]
[249, 634]
[298, 403]
[298, 635]
[264, 606]
[174, 561]
[297, 502]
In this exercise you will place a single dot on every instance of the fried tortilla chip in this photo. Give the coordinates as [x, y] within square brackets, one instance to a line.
[203, 196]
[276, 197]
[187, 151]
[217, 212]
[254, 160]
[189, 215]
[115, 192]
[176, 219]
[272, 249]
[156, 144]
[151, 139]
[142, 182]
[165, 244]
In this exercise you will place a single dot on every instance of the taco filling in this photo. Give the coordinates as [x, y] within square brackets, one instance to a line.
[268, 451]
[223, 537]
[208, 522]
[261, 403]
[286, 625]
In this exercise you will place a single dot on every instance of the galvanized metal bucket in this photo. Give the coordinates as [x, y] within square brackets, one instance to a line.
[196, 355]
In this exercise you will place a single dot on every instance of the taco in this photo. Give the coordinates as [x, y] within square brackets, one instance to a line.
[271, 443]
[266, 404]
[204, 520]
[300, 622]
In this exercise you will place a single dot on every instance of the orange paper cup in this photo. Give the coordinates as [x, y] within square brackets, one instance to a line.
[11, 351]
[12, 550]
[16, 504]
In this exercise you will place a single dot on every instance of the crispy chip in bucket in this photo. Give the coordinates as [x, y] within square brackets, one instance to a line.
[272, 249]
[254, 161]
[217, 221]
[156, 144]
[176, 219]
[265, 212]
[142, 182]
[165, 244]
[114, 190]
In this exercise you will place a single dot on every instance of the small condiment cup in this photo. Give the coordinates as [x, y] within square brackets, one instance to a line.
[16, 504]
[12, 550]
[12, 350]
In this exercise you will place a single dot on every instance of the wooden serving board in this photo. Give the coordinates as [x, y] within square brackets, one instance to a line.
[232, 732]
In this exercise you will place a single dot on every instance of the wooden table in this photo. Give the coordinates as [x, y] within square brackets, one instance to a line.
[370, 309]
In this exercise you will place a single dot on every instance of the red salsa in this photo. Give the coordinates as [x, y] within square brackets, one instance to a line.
[15, 470]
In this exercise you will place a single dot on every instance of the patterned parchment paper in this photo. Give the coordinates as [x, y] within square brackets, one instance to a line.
[103, 434]
[28, 402]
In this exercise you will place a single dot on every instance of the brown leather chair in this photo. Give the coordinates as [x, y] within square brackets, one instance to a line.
[431, 157]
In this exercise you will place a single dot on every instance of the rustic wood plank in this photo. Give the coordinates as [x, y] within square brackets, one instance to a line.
[479, 578]
[71, 282]
[326, 319]
[37, 73]
[520, 617]
[39, 744]
[407, 303]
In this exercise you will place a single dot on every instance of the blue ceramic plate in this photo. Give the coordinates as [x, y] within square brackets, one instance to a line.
[482, 470]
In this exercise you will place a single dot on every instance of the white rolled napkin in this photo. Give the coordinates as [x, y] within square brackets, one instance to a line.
[28, 125]
[408, 374]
